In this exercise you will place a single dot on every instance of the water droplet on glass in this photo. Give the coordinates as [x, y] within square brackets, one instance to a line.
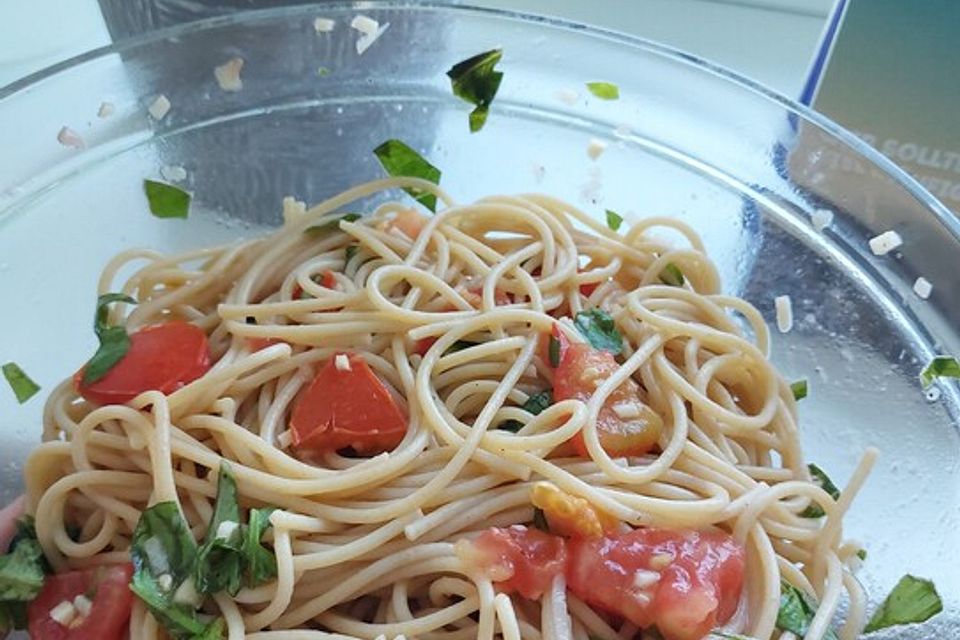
[933, 394]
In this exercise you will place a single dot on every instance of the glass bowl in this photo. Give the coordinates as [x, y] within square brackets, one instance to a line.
[758, 175]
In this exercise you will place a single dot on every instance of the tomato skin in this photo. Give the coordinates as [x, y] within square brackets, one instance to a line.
[700, 577]
[350, 408]
[580, 371]
[520, 559]
[474, 296]
[112, 602]
[423, 345]
[162, 357]
[409, 222]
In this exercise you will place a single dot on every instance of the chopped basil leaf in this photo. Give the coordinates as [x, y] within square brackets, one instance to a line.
[823, 481]
[540, 520]
[459, 345]
[219, 566]
[796, 611]
[114, 341]
[166, 200]
[912, 600]
[535, 404]
[323, 72]
[332, 225]
[799, 389]
[23, 569]
[476, 81]
[600, 330]
[940, 367]
[400, 160]
[261, 564]
[604, 90]
[163, 546]
[554, 351]
[23, 387]
[672, 276]
[862, 554]
[251, 320]
[350, 251]
[13, 615]
[614, 220]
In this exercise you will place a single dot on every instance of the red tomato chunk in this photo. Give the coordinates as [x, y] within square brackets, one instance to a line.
[105, 589]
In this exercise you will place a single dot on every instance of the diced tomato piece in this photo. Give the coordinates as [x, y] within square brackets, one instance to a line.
[587, 288]
[162, 357]
[518, 559]
[423, 345]
[685, 583]
[327, 279]
[109, 590]
[346, 407]
[409, 222]
[626, 426]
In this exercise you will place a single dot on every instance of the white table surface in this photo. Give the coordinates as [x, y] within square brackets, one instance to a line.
[768, 40]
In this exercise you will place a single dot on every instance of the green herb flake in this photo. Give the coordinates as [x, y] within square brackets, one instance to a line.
[862, 554]
[672, 276]
[459, 345]
[163, 546]
[332, 225]
[554, 351]
[796, 611]
[540, 520]
[940, 367]
[260, 563]
[912, 600]
[476, 81]
[166, 200]
[534, 405]
[23, 387]
[821, 479]
[598, 327]
[323, 72]
[22, 570]
[219, 562]
[398, 159]
[799, 389]
[350, 251]
[114, 341]
[604, 90]
[614, 220]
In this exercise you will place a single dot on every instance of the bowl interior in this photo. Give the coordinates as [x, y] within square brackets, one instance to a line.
[745, 168]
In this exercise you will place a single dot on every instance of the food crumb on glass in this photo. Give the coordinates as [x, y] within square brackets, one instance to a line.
[884, 243]
[595, 148]
[568, 96]
[323, 25]
[160, 107]
[173, 173]
[228, 74]
[821, 219]
[922, 288]
[369, 30]
[70, 138]
[106, 110]
[784, 308]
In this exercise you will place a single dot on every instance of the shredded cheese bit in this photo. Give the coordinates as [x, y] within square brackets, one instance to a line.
[64, 613]
[627, 410]
[884, 243]
[106, 110]
[173, 173]
[186, 593]
[922, 288]
[595, 148]
[323, 25]
[342, 362]
[568, 96]
[369, 30]
[643, 578]
[70, 138]
[660, 561]
[784, 308]
[83, 605]
[228, 74]
[165, 581]
[225, 529]
[285, 439]
[821, 219]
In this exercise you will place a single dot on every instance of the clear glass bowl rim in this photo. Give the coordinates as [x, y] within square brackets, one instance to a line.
[944, 216]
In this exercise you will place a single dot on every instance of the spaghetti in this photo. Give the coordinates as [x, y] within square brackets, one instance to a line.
[450, 317]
